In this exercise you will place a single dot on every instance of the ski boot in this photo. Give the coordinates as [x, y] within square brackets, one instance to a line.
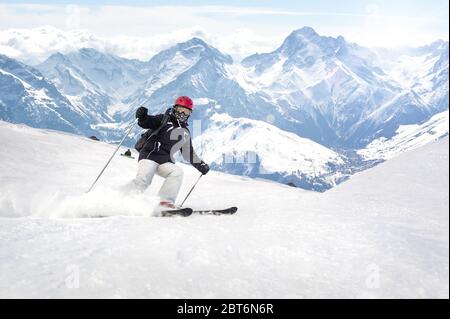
[168, 209]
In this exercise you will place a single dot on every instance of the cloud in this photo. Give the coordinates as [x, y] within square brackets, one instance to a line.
[32, 32]
[140, 32]
[35, 45]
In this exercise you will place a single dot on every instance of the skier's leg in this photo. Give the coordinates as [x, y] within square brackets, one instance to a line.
[146, 171]
[173, 175]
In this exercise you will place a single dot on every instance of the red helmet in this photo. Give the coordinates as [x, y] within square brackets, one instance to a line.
[185, 101]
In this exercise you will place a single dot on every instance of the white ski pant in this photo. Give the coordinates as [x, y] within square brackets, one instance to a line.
[173, 178]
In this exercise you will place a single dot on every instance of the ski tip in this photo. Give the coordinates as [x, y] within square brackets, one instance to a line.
[226, 211]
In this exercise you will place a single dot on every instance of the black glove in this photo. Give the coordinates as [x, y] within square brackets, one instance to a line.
[141, 113]
[203, 168]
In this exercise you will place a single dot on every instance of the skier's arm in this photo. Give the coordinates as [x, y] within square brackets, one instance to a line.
[148, 121]
[151, 121]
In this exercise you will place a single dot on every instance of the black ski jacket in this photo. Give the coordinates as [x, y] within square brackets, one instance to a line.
[172, 137]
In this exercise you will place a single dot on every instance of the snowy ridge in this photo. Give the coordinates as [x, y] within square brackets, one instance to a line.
[192, 66]
[27, 97]
[338, 87]
[257, 149]
[424, 70]
[94, 81]
[295, 240]
[408, 137]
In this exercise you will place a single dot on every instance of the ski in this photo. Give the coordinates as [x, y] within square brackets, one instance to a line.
[226, 211]
[184, 212]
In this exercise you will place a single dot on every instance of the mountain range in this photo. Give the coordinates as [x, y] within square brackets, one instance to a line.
[309, 108]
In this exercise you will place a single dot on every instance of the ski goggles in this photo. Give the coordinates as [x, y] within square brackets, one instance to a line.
[182, 114]
[182, 109]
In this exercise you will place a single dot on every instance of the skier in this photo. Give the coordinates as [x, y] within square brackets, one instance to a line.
[157, 150]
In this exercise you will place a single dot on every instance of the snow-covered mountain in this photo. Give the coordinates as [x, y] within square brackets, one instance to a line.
[382, 234]
[408, 137]
[312, 73]
[196, 69]
[323, 88]
[87, 78]
[94, 81]
[335, 93]
[27, 97]
[423, 69]
[253, 148]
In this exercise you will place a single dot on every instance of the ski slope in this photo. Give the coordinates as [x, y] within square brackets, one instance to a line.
[384, 233]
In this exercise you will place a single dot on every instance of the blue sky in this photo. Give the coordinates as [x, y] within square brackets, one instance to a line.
[240, 26]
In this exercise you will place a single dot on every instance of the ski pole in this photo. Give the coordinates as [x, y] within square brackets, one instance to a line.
[110, 159]
[198, 180]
